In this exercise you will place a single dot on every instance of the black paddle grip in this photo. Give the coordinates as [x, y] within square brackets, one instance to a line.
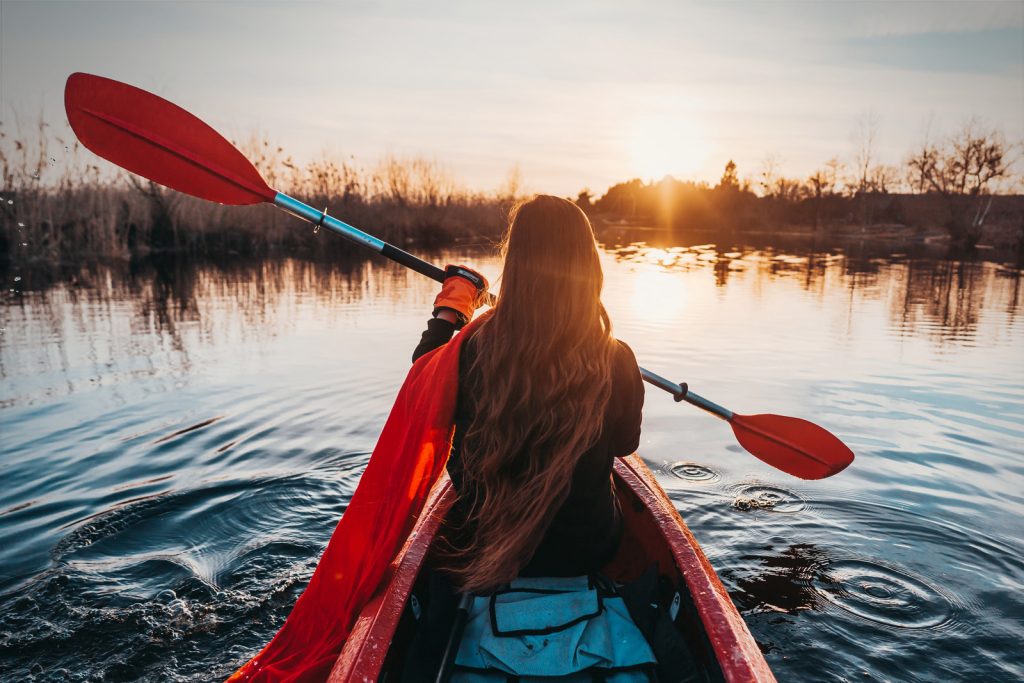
[410, 261]
[421, 266]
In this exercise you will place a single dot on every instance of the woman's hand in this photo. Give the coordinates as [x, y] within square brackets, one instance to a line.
[461, 294]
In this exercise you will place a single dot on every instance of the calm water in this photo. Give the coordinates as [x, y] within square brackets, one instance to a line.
[178, 441]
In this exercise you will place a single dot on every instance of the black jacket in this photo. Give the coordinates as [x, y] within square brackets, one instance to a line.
[586, 529]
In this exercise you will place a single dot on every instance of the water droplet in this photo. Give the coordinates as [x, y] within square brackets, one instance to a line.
[17, 278]
[316, 229]
[24, 244]
[772, 498]
[35, 176]
[21, 225]
[10, 201]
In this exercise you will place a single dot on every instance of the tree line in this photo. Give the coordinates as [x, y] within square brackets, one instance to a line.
[957, 183]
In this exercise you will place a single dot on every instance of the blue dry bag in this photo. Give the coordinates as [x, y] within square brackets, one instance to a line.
[542, 628]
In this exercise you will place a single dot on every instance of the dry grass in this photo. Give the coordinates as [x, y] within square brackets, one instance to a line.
[83, 207]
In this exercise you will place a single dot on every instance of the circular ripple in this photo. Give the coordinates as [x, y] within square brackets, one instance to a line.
[881, 594]
[771, 498]
[691, 471]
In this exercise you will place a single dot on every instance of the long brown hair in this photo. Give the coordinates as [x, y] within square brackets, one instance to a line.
[542, 383]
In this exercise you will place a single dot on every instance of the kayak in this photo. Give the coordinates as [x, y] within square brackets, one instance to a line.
[708, 620]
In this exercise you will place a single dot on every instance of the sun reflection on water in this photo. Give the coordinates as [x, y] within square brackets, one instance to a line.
[656, 294]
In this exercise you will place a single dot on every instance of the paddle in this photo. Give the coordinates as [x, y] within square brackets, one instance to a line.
[159, 140]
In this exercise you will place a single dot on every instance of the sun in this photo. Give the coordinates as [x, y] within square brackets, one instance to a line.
[662, 144]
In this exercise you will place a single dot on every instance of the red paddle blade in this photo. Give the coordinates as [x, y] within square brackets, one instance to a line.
[158, 140]
[795, 446]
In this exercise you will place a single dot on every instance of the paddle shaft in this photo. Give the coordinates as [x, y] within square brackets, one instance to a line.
[451, 650]
[681, 392]
[320, 218]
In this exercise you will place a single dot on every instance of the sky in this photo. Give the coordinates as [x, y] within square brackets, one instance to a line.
[572, 94]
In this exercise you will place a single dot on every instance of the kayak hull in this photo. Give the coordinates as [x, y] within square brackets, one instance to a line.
[654, 532]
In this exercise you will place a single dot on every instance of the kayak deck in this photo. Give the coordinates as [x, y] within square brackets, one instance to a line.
[654, 533]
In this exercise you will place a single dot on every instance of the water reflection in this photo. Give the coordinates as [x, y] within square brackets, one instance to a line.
[61, 319]
[149, 318]
[778, 579]
[943, 299]
[108, 325]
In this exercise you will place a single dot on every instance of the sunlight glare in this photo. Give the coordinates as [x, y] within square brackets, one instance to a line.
[667, 145]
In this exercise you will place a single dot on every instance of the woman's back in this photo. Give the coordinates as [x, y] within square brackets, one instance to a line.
[547, 399]
[584, 532]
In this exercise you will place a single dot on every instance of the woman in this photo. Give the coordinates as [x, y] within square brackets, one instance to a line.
[542, 398]
[547, 398]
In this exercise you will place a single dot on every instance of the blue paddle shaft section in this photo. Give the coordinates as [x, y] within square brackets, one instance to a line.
[317, 217]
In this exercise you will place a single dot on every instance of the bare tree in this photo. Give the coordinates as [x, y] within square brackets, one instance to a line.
[788, 189]
[823, 182]
[917, 178]
[819, 185]
[769, 174]
[965, 169]
[864, 137]
[864, 156]
[834, 169]
[884, 179]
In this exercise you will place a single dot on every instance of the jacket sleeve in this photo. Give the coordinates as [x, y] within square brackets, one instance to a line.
[438, 333]
[628, 395]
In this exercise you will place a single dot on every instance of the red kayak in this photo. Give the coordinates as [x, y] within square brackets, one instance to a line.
[655, 532]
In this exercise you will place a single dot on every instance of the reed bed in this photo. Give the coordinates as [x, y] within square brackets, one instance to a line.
[59, 211]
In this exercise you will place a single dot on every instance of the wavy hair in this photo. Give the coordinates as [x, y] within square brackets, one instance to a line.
[541, 384]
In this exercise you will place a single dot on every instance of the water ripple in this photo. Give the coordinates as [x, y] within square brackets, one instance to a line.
[886, 595]
[191, 428]
[162, 576]
[694, 472]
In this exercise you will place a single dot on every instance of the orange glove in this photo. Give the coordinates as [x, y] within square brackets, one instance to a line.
[463, 292]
